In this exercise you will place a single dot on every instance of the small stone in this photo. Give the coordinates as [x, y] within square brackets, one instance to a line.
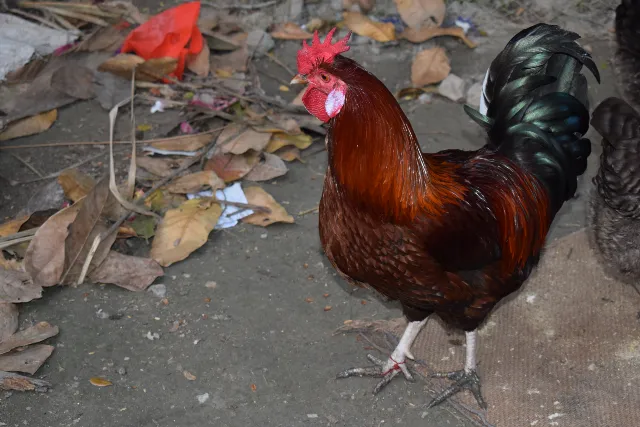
[202, 397]
[122, 370]
[452, 87]
[474, 93]
[159, 290]
[211, 285]
[425, 98]
[312, 415]
[259, 42]
[263, 236]
[154, 336]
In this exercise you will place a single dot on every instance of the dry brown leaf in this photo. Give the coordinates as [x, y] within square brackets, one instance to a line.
[184, 143]
[232, 167]
[161, 200]
[200, 63]
[154, 69]
[257, 196]
[29, 126]
[13, 226]
[44, 259]
[271, 167]
[28, 359]
[100, 382]
[10, 264]
[196, 182]
[126, 231]
[39, 332]
[75, 184]
[221, 40]
[8, 320]
[184, 230]
[11, 381]
[290, 31]
[363, 26]
[17, 286]
[188, 375]
[208, 19]
[421, 13]
[430, 66]
[88, 224]
[129, 272]
[104, 39]
[424, 34]
[247, 140]
[232, 61]
[160, 166]
[281, 124]
[280, 140]
[289, 154]
[364, 5]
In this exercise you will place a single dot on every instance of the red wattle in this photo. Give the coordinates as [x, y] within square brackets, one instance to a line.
[314, 101]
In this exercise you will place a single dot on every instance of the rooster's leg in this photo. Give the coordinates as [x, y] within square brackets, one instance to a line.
[396, 363]
[465, 379]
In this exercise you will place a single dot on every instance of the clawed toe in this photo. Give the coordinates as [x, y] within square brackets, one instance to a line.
[462, 380]
[386, 369]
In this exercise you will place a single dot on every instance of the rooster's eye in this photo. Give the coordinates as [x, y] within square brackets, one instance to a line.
[324, 77]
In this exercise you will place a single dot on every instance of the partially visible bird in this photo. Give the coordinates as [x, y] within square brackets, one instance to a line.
[626, 60]
[615, 206]
[614, 213]
[454, 232]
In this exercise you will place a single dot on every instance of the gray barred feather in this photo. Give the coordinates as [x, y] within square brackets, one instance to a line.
[618, 179]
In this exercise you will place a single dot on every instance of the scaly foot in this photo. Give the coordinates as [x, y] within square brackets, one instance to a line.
[386, 369]
[462, 380]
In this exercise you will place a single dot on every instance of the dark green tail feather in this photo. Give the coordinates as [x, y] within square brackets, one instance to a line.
[538, 107]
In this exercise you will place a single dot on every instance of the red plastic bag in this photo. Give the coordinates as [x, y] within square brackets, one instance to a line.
[173, 33]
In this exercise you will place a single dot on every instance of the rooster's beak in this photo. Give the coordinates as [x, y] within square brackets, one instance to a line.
[298, 79]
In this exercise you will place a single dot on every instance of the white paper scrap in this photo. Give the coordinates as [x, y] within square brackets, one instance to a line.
[230, 214]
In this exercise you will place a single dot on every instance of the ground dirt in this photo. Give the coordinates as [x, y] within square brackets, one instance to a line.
[264, 356]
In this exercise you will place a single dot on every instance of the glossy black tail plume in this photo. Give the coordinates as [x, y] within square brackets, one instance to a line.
[618, 179]
[538, 109]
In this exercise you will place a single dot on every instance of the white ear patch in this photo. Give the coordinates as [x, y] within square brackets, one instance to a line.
[334, 102]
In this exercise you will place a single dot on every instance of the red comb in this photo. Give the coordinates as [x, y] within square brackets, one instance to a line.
[310, 56]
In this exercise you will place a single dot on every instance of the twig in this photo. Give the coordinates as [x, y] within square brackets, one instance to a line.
[29, 165]
[29, 232]
[308, 211]
[281, 104]
[57, 174]
[69, 144]
[15, 242]
[131, 182]
[87, 260]
[254, 208]
[37, 18]
[275, 59]
[276, 78]
[241, 6]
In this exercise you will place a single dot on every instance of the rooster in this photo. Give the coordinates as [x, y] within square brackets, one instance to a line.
[454, 232]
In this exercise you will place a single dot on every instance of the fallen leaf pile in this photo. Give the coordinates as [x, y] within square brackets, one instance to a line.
[162, 200]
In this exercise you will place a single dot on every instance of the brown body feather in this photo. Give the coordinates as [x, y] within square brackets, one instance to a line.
[449, 233]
